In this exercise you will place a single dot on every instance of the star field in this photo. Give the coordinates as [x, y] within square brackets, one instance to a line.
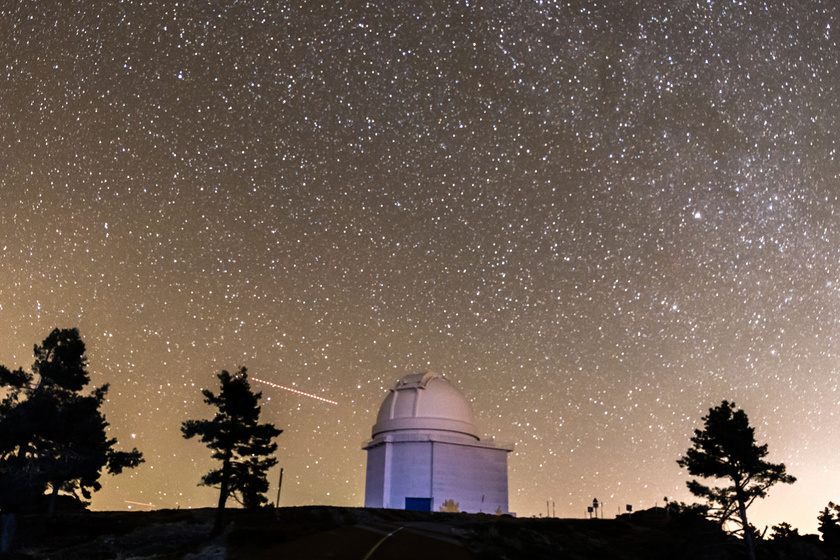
[598, 218]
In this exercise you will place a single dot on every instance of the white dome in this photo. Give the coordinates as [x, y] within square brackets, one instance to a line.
[424, 402]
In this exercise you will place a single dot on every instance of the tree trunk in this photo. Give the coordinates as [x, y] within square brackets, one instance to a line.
[223, 495]
[53, 500]
[748, 536]
[7, 533]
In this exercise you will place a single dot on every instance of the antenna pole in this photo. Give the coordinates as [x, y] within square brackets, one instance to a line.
[279, 486]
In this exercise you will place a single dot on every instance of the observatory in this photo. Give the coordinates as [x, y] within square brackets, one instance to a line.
[425, 452]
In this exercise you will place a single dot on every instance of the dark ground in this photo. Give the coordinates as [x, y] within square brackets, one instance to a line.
[374, 534]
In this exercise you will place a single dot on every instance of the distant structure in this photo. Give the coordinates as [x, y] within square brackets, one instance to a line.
[425, 452]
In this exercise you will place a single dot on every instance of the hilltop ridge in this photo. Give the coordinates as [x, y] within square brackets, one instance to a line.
[317, 532]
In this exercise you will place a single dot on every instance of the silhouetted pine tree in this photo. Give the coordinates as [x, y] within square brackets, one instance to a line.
[829, 525]
[238, 440]
[726, 450]
[52, 436]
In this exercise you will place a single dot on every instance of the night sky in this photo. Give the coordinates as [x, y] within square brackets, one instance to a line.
[598, 219]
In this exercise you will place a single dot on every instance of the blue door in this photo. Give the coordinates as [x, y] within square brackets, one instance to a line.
[418, 504]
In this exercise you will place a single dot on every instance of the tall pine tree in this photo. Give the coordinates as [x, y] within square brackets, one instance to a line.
[725, 450]
[52, 434]
[237, 439]
[829, 525]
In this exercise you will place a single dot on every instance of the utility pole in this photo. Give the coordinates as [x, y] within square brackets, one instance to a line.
[279, 486]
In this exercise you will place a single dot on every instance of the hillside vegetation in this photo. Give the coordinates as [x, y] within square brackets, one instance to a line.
[334, 532]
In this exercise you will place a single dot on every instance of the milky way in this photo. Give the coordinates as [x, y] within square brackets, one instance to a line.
[598, 219]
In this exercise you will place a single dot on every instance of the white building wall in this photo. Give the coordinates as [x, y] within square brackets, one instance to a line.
[411, 472]
[474, 477]
[375, 477]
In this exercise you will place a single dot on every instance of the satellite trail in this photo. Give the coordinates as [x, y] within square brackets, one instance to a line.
[153, 506]
[294, 391]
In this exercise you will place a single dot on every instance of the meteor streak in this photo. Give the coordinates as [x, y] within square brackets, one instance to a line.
[153, 506]
[276, 386]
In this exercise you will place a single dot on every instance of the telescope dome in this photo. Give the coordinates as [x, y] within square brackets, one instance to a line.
[423, 402]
